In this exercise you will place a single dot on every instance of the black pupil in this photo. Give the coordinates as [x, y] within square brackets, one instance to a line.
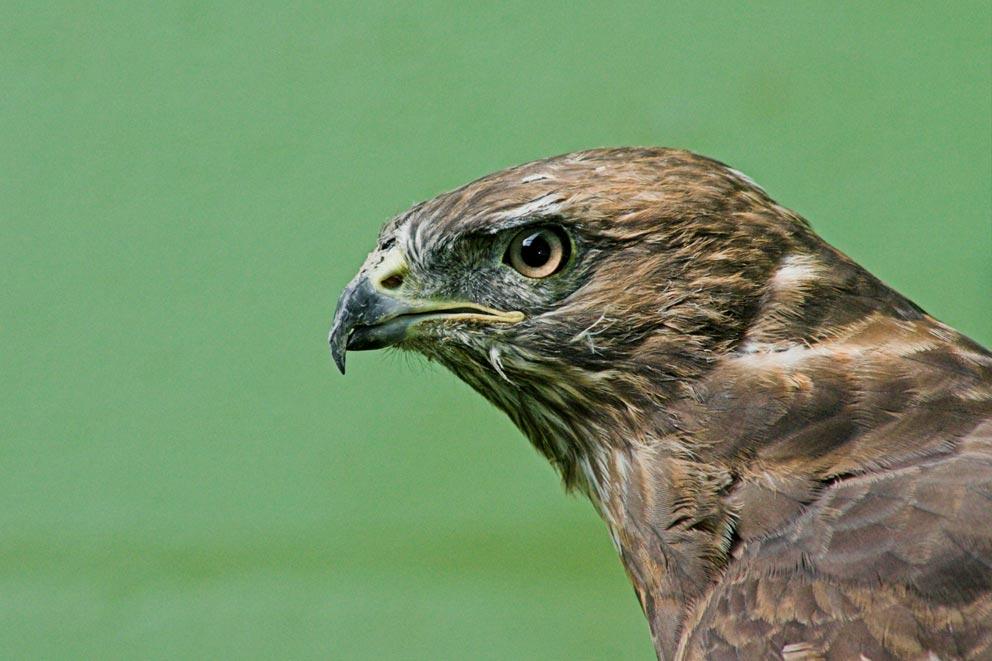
[535, 250]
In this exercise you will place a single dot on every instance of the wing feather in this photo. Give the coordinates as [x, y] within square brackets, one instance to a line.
[889, 554]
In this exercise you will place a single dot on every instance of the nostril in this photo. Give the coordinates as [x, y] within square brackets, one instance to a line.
[392, 282]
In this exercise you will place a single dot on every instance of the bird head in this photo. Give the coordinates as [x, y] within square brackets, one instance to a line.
[583, 293]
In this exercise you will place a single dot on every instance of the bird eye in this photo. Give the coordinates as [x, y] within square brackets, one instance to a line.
[538, 252]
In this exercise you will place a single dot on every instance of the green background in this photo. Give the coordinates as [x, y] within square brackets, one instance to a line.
[185, 187]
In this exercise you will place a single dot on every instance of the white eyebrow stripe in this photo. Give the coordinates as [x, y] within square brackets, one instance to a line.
[402, 233]
[547, 204]
[410, 244]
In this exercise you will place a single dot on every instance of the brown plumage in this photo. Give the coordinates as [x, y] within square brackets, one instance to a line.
[793, 460]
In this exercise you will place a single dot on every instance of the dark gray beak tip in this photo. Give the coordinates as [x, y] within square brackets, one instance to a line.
[339, 343]
[338, 360]
[340, 330]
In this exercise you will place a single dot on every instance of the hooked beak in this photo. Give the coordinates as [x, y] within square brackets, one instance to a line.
[371, 316]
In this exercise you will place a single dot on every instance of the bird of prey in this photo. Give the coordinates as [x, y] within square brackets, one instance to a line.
[793, 460]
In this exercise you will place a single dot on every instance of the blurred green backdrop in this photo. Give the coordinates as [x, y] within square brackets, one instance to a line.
[186, 186]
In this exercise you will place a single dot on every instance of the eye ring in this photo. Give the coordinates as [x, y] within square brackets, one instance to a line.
[538, 252]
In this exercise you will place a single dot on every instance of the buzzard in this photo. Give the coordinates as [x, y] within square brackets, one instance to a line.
[792, 459]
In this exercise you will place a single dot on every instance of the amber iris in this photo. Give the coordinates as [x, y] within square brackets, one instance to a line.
[538, 253]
